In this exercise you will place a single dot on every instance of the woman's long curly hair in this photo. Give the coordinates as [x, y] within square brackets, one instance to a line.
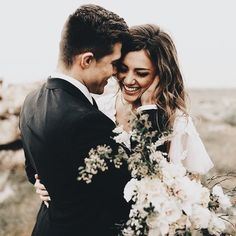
[162, 52]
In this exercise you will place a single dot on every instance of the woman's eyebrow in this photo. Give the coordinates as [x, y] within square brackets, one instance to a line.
[140, 68]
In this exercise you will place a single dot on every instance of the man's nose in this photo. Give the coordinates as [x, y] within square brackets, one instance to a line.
[114, 70]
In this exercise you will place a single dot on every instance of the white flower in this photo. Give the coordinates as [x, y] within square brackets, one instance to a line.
[152, 190]
[190, 192]
[122, 136]
[170, 211]
[216, 225]
[157, 226]
[152, 221]
[154, 232]
[130, 189]
[223, 199]
[200, 217]
[118, 129]
[183, 222]
[171, 171]
[157, 156]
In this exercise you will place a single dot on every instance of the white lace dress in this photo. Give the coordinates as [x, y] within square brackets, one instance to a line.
[186, 145]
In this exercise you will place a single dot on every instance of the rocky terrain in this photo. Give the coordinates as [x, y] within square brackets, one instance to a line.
[18, 203]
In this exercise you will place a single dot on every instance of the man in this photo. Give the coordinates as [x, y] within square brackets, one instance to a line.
[60, 123]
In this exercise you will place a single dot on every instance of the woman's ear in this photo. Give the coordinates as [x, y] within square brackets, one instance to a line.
[86, 59]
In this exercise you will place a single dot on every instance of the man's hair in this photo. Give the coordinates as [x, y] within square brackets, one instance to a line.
[91, 28]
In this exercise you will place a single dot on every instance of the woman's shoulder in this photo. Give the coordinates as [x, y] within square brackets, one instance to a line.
[184, 123]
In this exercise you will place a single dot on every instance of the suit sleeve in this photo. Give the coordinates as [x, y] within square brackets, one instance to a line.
[30, 171]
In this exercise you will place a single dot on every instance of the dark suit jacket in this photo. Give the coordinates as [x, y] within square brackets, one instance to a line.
[59, 126]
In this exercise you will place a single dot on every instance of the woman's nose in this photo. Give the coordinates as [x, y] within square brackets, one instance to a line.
[129, 79]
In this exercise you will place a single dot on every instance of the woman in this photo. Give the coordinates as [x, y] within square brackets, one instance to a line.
[149, 78]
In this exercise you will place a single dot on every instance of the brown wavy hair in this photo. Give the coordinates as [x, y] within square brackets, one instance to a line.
[162, 52]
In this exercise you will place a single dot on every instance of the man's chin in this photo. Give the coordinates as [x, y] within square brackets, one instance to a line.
[98, 91]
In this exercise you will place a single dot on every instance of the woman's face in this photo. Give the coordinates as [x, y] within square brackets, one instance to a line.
[135, 75]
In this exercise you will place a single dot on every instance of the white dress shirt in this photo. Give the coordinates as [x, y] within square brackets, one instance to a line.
[75, 82]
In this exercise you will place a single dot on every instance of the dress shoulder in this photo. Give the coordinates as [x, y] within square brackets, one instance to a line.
[187, 147]
[107, 104]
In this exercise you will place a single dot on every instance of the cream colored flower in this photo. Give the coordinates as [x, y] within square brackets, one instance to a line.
[216, 225]
[223, 199]
[200, 217]
[130, 189]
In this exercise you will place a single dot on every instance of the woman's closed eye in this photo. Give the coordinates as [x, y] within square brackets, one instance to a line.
[142, 74]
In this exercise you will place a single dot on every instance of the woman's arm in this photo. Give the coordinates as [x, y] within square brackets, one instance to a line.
[187, 147]
[42, 191]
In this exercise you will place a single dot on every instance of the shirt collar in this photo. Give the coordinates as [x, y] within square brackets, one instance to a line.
[75, 82]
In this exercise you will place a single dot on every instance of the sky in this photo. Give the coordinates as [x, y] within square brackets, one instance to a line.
[204, 33]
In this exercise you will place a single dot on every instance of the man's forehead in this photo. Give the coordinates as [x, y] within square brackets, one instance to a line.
[117, 51]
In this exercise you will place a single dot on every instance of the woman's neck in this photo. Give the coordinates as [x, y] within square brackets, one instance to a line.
[124, 111]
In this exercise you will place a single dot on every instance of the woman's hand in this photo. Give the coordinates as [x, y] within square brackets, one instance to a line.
[41, 190]
[149, 97]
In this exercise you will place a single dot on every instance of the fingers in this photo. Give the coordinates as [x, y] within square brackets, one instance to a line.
[46, 204]
[41, 190]
[43, 194]
[153, 87]
[36, 176]
[38, 185]
[157, 89]
[154, 84]
[150, 95]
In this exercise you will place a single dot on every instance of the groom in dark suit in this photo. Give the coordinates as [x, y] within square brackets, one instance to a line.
[60, 123]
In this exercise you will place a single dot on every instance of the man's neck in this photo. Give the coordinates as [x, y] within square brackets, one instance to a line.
[69, 72]
[67, 76]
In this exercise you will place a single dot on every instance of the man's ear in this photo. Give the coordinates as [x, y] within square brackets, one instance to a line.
[86, 59]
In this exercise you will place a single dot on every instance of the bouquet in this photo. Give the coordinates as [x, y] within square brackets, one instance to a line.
[167, 200]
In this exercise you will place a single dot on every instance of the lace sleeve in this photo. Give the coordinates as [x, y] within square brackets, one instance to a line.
[187, 146]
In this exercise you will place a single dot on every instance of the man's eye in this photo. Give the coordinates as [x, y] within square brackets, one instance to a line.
[122, 68]
[115, 64]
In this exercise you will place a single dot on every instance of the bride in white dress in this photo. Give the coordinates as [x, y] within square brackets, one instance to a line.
[149, 77]
[151, 58]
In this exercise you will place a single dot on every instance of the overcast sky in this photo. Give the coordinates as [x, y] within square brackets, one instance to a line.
[204, 32]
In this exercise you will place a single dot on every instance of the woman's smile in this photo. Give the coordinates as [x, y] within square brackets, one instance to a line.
[130, 89]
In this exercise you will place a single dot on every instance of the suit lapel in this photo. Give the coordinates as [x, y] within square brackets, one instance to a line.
[53, 83]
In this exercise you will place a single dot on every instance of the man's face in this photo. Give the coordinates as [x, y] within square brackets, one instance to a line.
[102, 70]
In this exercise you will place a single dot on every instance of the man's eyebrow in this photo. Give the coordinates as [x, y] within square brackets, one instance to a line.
[116, 60]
